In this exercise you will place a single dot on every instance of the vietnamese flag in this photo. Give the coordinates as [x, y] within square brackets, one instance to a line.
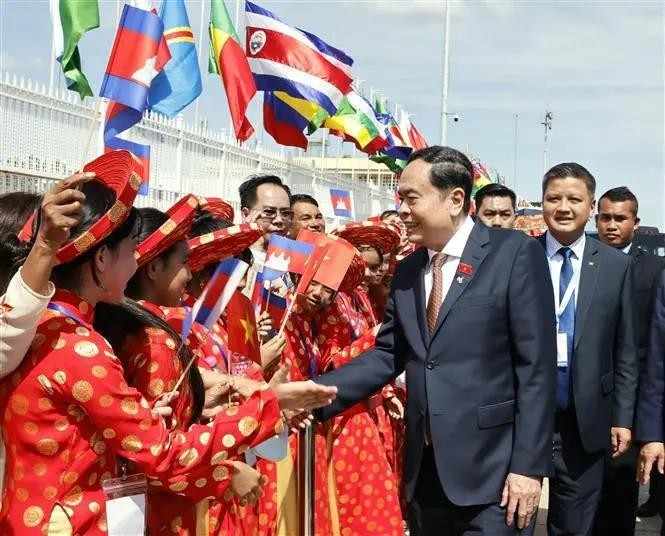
[241, 327]
[227, 59]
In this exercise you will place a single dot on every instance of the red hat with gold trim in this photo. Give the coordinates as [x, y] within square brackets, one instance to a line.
[370, 233]
[217, 207]
[181, 216]
[120, 171]
[327, 274]
[222, 244]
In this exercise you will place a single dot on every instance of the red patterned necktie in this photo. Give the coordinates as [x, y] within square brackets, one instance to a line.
[436, 294]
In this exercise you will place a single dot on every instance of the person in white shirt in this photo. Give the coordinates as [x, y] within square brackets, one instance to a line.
[29, 290]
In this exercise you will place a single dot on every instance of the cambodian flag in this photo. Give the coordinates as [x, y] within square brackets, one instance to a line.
[216, 295]
[265, 300]
[139, 53]
[285, 255]
[341, 202]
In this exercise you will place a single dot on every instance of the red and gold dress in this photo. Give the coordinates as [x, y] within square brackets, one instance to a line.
[364, 483]
[304, 354]
[68, 414]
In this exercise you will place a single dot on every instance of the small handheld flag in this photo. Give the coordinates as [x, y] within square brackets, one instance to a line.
[341, 202]
[241, 326]
[285, 255]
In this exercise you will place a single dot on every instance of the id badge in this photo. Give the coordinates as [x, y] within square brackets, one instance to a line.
[126, 505]
[561, 350]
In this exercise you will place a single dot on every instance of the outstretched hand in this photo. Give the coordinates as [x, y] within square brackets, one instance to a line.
[302, 395]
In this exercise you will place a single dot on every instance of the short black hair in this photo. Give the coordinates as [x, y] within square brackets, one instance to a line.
[303, 198]
[495, 190]
[387, 213]
[247, 189]
[619, 194]
[574, 170]
[450, 169]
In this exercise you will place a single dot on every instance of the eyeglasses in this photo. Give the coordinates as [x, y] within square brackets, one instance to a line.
[270, 213]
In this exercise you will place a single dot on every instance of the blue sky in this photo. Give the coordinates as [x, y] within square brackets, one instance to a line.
[598, 66]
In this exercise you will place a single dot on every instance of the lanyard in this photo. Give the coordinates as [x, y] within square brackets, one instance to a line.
[311, 356]
[59, 308]
[561, 306]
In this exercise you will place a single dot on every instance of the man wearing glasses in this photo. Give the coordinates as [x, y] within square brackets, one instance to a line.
[266, 200]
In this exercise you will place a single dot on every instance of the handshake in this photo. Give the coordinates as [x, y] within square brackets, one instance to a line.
[294, 397]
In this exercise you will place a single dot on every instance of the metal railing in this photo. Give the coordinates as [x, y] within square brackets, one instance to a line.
[43, 137]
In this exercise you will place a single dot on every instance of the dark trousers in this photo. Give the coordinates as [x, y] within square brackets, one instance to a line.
[432, 514]
[576, 480]
[619, 495]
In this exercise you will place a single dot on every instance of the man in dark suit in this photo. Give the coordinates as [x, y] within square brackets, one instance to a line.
[617, 221]
[597, 369]
[650, 429]
[470, 317]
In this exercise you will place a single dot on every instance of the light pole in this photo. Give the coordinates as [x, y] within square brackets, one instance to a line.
[444, 89]
[515, 154]
[547, 123]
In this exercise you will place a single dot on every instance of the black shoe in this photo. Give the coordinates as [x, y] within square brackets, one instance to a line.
[647, 509]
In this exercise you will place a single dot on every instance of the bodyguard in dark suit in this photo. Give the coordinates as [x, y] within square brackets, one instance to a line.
[597, 368]
[616, 221]
[470, 318]
[650, 428]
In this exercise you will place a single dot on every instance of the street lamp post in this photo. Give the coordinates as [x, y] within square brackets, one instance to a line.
[444, 89]
[547, 123]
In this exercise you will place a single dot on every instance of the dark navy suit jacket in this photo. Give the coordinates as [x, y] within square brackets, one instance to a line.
[651, 404]
[485, 379]
[605, 364]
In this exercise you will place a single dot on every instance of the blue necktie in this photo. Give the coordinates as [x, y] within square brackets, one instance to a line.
[567, 326]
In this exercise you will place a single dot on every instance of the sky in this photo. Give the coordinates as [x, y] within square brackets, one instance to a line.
[599, 67]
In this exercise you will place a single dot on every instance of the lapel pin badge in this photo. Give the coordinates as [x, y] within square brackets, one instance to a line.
[466, 269]
[590, 263]
[460, 279]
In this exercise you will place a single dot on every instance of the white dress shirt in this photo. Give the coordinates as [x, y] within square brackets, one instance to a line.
[453, 251]
[555, 260]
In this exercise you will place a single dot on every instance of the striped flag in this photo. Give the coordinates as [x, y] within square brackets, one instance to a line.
[228, 60]
[216, 295]
[180, 82]
[284, 58]
[139, 53]
[285, 255]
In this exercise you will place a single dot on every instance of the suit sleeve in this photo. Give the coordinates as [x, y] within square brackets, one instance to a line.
[365, 375]
[626, 366]
[650, 419]
[533, 339]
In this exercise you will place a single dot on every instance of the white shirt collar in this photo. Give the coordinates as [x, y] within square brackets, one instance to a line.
[457, 243]
[626, 249]
[553, 245]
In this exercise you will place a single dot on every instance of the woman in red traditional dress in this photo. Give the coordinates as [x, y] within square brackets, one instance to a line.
[211, 241]
[69, 415]
[363, 482]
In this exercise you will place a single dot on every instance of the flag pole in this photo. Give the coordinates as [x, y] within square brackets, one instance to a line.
[199, 51]
[91, 132]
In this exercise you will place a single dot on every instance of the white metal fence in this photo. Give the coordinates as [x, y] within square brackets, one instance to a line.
[43, 137]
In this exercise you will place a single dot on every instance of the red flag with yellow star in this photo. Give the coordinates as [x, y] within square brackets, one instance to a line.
[243, 336]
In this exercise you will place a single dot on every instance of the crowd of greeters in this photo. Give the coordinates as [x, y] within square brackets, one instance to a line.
[98, 383]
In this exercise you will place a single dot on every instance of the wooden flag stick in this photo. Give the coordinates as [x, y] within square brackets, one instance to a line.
[91, 132]
[287, 315]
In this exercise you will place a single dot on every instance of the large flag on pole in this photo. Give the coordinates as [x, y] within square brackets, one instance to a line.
[227, 58]
[138, 54]
[180, 82]
[71, 19]
[286, 59]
